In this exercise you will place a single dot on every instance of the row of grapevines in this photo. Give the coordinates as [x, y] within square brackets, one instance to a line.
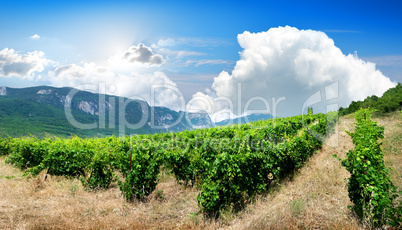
[233, 164]
[94, 161]
[230, 164]
[370, 187]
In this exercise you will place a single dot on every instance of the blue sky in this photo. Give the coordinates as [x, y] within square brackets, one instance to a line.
[205, 32]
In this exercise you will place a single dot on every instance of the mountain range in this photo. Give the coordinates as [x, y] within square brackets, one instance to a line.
[245, 119]
[50, 111]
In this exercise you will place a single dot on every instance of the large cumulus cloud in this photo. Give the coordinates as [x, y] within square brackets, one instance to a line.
[295, 64]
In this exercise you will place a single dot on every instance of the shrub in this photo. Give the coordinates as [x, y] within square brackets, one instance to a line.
[141, 173]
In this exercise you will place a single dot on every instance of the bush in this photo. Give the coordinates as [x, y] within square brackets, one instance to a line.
[178, 161]
[100, 173]
[5, 146]
[66, 158]
[28, 152]
[141, 173]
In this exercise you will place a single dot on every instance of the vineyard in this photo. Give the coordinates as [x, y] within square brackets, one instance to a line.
[229, 165]
[370, 187]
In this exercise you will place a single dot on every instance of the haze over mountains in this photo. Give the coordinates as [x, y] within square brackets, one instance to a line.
[45, 110]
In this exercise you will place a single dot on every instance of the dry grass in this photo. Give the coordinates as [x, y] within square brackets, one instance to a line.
[392, 145]
[316, 197]
[58, 203]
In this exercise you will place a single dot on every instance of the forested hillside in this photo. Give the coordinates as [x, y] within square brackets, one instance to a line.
[41, 111]
[390, 101]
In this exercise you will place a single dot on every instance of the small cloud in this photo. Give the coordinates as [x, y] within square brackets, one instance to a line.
[143, 54]
[35, 37]
[181, 53]
[202, 42]
[166, 42]
[207, 62]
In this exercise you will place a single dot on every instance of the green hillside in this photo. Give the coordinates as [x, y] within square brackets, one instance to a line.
[40, 111]
[390, 101]
[20, 117]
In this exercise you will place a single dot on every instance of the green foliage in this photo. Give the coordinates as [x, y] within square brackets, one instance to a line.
[100, 173]
[178, 160]
[231, 175]
[28, 152]
[25, 112]
[390, 101]
[6, 145]
[233, 180]
[370, 187]
[142, 172]
[310, 110]
[68, 157]
[230, 165]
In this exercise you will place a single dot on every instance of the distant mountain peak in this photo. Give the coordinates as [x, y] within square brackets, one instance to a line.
[246, 119]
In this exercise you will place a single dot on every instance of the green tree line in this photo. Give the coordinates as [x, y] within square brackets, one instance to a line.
[390, 101]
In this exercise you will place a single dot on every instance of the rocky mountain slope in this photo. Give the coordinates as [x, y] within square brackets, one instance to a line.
[65, 111]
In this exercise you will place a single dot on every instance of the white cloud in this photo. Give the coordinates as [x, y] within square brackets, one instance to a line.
[201, 42]
[180, 53]
[292, 63]
[143, 54]
[207, 62]
[155, 88]
[15, 64]
[132, 74]
[139, 58]
[190, 41]
[166, 42]
[35, 37]
[391, 65]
